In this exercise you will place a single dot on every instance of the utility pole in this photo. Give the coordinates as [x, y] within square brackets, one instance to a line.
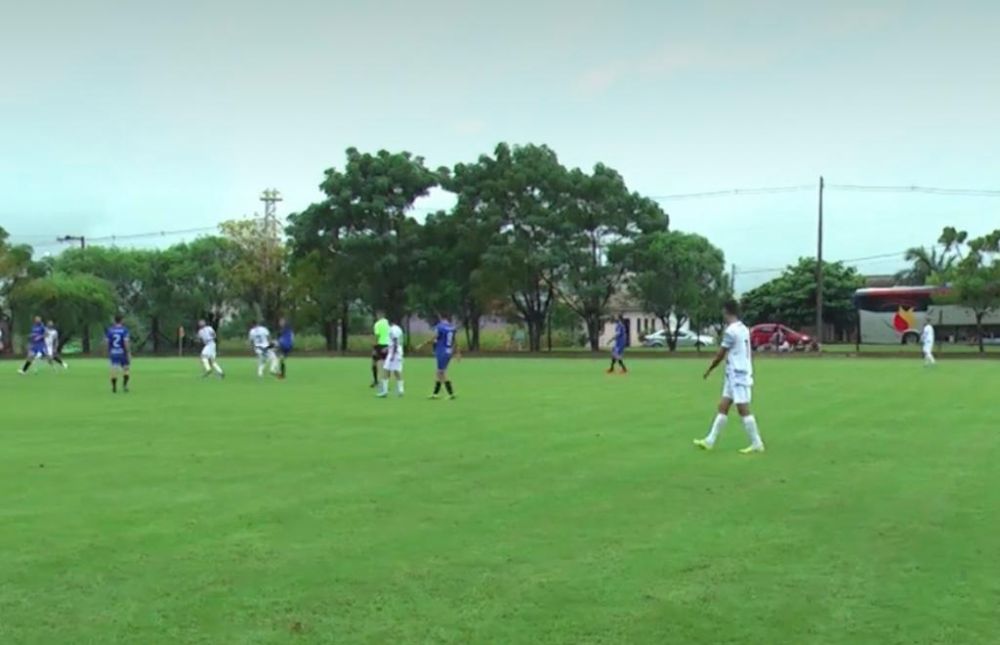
[270, 198]
[819, 267]
[732, 280]
[83, 244]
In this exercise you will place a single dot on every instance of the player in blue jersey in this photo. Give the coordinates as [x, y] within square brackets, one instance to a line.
[119, 353]
[36, 344]
[286, 340]
[445, 348]
[618, 345]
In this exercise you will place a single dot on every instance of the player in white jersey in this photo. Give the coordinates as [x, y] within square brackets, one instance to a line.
[393, 365]
[260, 340]
[927, 340]
[738, 386]
[52, 345]
[209, 350]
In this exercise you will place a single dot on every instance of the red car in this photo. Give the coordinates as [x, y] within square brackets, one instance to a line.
[763, 336]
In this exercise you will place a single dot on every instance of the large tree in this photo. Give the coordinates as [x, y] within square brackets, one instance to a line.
[678, 275]
[450, 275]
[258, 274]
[975, 278]
[76, 301]
[601, 220]
[16, 267]
[791, 297]
[519, 193]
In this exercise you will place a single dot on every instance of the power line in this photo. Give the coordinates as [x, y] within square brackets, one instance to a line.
[929, 190]
[734, 192]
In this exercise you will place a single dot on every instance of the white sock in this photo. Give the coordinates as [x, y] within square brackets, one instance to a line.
[208, 366]
[399, 386]
[717, 426]
[385, 386]
[218, 368]
[750, 425]
[260, 370]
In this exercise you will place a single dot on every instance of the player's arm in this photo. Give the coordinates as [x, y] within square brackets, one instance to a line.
[719, 357]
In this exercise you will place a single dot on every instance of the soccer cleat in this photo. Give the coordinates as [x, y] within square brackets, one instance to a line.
[751, 450]
[434, 397]
[452, 397]
[382, 395]
[610, 371]
[701, 443]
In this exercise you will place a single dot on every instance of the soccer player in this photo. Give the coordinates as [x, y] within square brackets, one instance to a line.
[735, 351]
[393, 362]
[119, 353]
[618, 344]
[52, 345]
[381, 333]
[260, 340]
[927, 340]
[209, 350]
[286, 340]
[444, 350]
[37, 347]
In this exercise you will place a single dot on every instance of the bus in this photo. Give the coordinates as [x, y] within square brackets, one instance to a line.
[894, 315]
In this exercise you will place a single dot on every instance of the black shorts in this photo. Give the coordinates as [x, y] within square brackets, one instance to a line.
[380, 352]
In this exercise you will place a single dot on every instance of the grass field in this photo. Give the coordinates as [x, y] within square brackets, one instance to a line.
[549, 504]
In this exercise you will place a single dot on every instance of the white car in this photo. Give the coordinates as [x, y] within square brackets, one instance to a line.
[685, 338]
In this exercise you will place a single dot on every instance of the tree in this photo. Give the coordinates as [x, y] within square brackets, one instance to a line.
[791, 297]
[16, 267]
[679, 275]
[926, 262]
[76, 300]
[258, 273]
[975, 279]
[518, 194]
[602, 220]
[449, 270]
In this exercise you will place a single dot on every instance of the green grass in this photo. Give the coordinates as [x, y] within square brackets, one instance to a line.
[548, 504]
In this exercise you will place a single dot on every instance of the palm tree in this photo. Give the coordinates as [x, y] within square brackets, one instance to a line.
[926, 263]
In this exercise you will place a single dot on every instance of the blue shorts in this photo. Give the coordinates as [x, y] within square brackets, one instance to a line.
[286, 350]
[118, 360]
[617, 352]
[442, 361]
[39, 350]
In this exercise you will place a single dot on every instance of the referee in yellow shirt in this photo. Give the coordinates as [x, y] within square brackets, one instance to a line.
[381, 349]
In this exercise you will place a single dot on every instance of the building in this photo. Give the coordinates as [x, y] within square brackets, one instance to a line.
[638, 322]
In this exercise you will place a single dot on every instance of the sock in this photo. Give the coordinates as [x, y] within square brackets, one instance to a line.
[717, 426]
[399, 386]
[282, 367]
[58, 360]
[375, 373]
[27, 364]
[207, 365]
[384, 389]
[218, 368]
[260, 369]
[612, 368]
[437, 387]
[622, 363]
[750, 424]
[447, 386]
[125, 381]
[114, 385]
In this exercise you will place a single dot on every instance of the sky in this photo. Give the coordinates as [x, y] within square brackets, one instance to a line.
[127, 117]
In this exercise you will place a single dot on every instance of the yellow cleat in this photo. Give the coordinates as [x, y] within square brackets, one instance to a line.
[701, 443]
[751, 450]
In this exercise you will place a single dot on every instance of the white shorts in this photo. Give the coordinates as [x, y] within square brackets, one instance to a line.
[739, 393]
[50, 350]
[209, 352]
[264, 353]
[394, 364]
[928, 350]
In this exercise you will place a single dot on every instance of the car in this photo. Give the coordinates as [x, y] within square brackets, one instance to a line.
[762, 337]
[686, 338]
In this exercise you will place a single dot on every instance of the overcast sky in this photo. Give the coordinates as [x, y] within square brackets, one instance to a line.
[126, 117]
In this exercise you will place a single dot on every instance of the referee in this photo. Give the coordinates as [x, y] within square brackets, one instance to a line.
[381, 349]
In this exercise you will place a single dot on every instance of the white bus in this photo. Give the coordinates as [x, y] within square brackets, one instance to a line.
[895, 315]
